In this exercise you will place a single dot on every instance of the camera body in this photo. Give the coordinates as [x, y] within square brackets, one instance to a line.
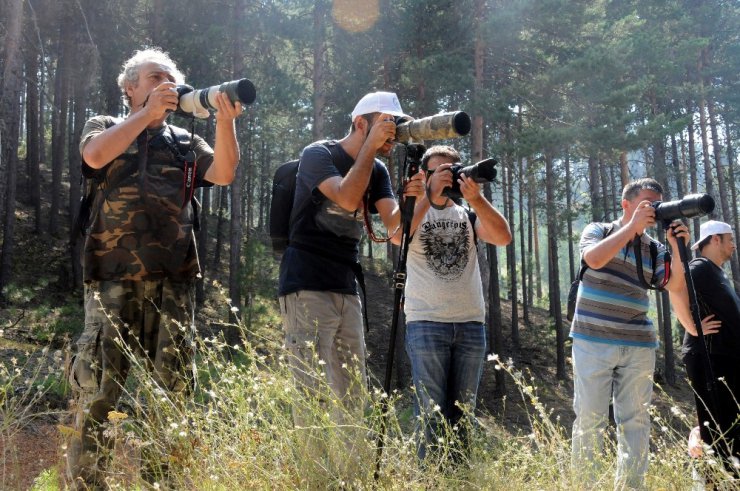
[481, 172]
[691, 206]
[198, 102]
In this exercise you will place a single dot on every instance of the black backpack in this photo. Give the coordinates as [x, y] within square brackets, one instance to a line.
[281, 204]
[283, 198]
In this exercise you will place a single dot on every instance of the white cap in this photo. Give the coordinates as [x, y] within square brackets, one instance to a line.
[712, 227]
[378, 102]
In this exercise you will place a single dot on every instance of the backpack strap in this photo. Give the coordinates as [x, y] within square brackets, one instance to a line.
[297, 211]
[473, 218]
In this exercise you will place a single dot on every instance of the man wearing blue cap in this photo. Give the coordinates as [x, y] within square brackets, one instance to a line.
[337, 182]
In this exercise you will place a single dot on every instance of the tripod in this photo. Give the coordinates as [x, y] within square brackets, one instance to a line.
[414, 153]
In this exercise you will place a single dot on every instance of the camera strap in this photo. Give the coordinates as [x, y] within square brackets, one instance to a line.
[652, 285]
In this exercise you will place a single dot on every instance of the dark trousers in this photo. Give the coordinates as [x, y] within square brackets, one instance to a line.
[723, 430]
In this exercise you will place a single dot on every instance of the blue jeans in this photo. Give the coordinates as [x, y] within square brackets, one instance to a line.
[602, 372]
[446, 364]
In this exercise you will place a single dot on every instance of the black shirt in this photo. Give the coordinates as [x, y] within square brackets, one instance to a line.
[715, 295]
[324, 237]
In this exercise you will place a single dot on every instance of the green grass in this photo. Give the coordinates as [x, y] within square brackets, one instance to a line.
[237, 432]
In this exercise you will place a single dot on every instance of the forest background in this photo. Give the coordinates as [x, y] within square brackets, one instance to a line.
[574, 98]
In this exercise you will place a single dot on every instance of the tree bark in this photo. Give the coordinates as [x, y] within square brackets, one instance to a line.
[524, 255]
[318, 77]
[33, 180]
[82, 82]
[10, 116]
[59, 122]
[597, 214]
[554, 280]
[692, 164]
[569, 211]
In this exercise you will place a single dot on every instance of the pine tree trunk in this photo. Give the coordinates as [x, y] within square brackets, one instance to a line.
[318, 77]
[59, 123]
[624, 169]
[83, 79]
[553, 257]
[33, 181]
[10, 116]
[569, 210]
[677, 167]
[708, 178]
[511, 248]
[236, 233]
[692, 164]
[524, 255]
[223, 201]
[536, 238]
[597, 214]
[604, 190]
[495, 320]
[733, 192]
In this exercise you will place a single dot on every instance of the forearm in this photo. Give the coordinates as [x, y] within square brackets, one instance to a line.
[354, 184]
[680, 303]
[104, 147]
[225, 154]
[598, 255]
[494, 226]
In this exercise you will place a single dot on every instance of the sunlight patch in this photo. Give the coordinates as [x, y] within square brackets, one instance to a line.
[355, 15]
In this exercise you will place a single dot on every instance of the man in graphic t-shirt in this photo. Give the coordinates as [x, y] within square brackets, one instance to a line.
[444, 307]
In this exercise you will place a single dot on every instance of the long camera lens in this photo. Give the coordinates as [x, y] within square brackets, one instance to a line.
[198, 102]
[691, 206]
[437, 127]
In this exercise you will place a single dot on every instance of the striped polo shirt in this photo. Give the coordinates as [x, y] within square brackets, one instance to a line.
[612, 305]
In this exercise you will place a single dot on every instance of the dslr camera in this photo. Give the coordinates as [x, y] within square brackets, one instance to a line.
[198, 102]
[482, 172]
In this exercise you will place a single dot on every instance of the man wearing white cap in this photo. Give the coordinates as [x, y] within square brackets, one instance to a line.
[319, 300]
[719, 309]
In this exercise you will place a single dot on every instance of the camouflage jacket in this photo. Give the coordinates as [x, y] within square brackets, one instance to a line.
[141, 232]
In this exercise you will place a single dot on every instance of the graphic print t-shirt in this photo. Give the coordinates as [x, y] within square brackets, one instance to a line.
[444, 283]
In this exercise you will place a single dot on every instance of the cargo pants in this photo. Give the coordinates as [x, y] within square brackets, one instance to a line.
[151, 319]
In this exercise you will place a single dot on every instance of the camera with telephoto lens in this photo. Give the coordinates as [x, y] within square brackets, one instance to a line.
[197, 102]
[482, 172]
[438, 127]
[691, 206]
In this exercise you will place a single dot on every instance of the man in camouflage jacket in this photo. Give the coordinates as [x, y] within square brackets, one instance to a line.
[139, 257]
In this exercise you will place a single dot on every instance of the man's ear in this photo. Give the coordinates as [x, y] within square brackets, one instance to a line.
[625, 204]
[360, 124]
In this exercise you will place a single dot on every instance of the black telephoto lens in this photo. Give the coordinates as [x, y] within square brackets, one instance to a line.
[691, 206]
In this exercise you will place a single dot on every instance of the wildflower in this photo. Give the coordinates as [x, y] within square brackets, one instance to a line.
[235, 309]
[497, 367]
[436, 408]
[493, 357]
[115, 416]
[322, 362]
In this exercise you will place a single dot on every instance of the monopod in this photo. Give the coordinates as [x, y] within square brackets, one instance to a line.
[414, 152]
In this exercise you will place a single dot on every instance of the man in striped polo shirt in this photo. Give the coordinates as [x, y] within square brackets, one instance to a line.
[614, 342]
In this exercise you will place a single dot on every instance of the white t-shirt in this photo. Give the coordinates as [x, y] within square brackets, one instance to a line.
[444, 283]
